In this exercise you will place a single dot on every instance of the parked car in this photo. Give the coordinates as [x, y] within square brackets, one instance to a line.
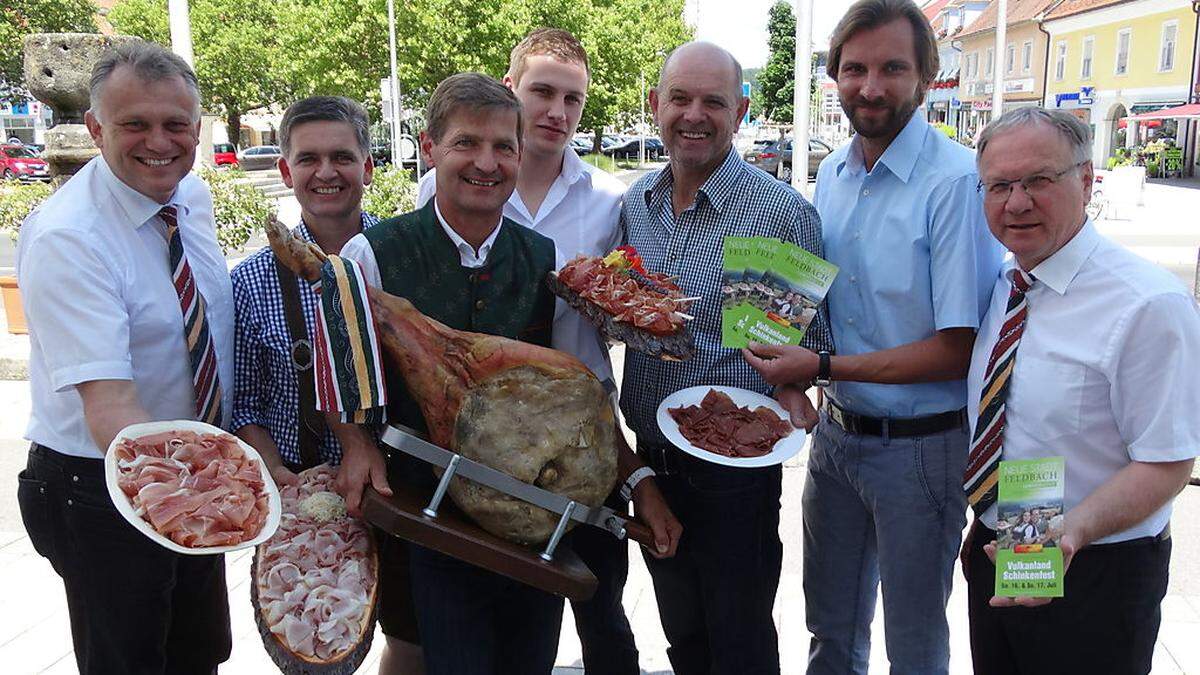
[776, 157]
[581, 145]
[381, 151]
[630, 147]
[224, 154]
[259, 157]
[22, 163]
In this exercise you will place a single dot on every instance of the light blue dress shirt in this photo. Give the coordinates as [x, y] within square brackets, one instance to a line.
[915, 256]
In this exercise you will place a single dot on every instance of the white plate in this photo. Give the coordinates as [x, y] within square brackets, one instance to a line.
[784, 448]
[125, 506]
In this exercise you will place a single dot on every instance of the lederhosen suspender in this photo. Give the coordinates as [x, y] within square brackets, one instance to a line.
[312, 421]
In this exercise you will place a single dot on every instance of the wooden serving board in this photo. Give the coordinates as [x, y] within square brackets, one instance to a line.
[452, 534]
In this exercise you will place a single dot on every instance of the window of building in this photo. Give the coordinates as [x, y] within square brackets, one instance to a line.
[1060, 61]
[1166, 51]
[1027, 56]
[1010, 58]
[989, 62]
[1089, 48]
[1124, 36]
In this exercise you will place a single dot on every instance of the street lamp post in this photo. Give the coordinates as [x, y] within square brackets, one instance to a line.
[642, 125]
[1001, 59]
[800, 95]
[394, 82]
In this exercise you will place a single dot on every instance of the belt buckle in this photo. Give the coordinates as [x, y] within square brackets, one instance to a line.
[836, 415]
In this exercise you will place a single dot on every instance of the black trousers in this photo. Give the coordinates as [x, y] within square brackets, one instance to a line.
[604, 631]
[715, 597]
[1106, 622]
[135, 607]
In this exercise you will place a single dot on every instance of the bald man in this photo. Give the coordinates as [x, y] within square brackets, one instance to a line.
[715, 596]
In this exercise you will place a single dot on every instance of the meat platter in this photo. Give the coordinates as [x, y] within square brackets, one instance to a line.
[314, 585]
[117, 463]
[627, 303]
[783, 449]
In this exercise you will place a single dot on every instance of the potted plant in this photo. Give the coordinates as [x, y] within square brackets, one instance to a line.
[17, 200]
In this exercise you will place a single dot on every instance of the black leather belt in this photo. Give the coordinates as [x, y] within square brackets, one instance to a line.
[895, 427]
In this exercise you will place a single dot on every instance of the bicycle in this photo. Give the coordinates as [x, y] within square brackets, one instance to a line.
[1097, 205]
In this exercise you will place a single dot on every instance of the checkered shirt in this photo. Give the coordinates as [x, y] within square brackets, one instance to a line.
[266, 390]
[736, 200]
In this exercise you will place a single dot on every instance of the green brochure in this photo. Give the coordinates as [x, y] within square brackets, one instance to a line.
[1029, 523]
[762, 256]
[792, 289]
[734, 287]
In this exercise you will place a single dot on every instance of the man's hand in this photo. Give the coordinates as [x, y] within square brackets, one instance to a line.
[363, 466]
[799, 406]
[782, 364]
[1067, 545]
[651, 508]
[282, 475]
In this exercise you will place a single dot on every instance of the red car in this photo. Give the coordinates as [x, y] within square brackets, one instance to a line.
[224, 154]
[21, 163]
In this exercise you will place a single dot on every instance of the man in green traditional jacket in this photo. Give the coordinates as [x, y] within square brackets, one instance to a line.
[459, 261]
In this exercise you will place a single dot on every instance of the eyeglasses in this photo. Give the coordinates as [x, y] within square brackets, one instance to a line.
[1000, 190]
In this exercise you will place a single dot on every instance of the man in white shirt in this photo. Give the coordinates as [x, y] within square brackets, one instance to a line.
[578, 206]
[1106, 350]
[108, 349]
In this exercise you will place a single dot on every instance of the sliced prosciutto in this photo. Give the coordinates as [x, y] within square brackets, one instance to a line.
[315, 581]
[720, 426]
[198, 490]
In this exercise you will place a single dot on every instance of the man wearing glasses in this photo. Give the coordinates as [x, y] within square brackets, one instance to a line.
[1093, 352]
[902, 220]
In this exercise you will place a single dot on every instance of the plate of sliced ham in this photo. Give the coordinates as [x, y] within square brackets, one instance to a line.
[191, 487]
[729, 426]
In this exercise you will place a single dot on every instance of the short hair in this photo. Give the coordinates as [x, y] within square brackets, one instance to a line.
[149, 61]
[867, 14]
[555, 42]
[1077, 134]
[326, 109]
[737, 67]
[470, 91]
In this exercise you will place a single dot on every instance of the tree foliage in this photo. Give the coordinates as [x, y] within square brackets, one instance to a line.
[776, 81]
[20, 18]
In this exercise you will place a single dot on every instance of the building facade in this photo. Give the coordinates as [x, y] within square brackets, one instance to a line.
[1111, 59]
[949, 18]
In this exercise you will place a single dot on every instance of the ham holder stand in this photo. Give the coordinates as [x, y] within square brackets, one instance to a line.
[425, 520]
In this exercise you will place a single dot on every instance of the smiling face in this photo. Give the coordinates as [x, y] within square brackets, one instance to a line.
[1034, 226]
[879, 81]
[476, 160]
[698, 106]
[327, 170]
[552, 93]
[146, 131]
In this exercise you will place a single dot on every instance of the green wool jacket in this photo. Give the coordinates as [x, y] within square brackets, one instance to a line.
[508, 296]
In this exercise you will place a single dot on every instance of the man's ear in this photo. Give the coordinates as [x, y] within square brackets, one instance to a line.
[94, 128]
[368, 169]
[427, 149]
[285, 171]
[653, 96]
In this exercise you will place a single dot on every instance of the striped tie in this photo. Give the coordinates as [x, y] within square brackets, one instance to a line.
[984, 462]
[202, 355]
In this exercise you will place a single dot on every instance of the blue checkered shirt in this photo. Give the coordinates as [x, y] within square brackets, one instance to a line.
[737, 200]
[266, 390]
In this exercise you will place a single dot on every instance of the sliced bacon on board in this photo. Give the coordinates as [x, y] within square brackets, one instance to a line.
[647, 300]
[720, 426]
[198, 490]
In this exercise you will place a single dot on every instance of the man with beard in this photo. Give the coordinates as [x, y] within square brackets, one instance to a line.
[903, 221]
[716, 595]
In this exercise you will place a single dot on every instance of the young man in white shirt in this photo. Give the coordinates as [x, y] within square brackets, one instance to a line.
[1096, 363]
[99, 265]
[578, 206]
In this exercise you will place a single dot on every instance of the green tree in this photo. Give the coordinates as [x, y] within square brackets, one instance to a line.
[235, 47]
[776, 81]
[20, 18]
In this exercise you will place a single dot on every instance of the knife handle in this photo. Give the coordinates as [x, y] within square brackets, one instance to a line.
[635, 530]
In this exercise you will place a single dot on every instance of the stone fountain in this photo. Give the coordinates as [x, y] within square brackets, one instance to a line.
[58, 70]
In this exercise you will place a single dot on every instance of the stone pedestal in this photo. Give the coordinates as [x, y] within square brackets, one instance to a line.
[58, 71]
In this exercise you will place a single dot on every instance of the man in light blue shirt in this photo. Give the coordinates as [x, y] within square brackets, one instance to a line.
[903, 221]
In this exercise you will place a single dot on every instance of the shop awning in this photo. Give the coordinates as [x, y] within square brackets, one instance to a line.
[1190, 111]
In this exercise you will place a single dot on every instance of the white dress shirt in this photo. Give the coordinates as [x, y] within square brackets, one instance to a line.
[92, 264]
[1105, 372]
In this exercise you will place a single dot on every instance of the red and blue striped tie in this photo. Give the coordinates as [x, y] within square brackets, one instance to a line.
[202, 354]
[983, 464]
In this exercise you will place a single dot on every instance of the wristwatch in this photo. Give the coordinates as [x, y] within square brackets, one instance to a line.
[634, 478]
[824, 370]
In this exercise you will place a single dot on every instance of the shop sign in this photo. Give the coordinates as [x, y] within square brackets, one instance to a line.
[1022, 86]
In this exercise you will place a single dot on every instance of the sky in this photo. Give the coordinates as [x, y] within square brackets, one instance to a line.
[741, 25]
